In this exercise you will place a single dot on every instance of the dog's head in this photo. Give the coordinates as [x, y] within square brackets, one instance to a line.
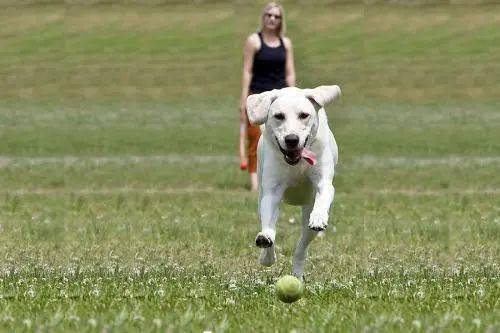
[291, 117]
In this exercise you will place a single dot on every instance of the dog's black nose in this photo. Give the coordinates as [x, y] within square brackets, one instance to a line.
[291, 141]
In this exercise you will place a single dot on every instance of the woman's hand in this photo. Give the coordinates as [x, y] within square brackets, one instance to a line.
[244, 163]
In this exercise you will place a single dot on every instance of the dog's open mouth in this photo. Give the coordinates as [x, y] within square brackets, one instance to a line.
[293, 156]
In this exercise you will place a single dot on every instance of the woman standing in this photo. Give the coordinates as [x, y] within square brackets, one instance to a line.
[267, 65]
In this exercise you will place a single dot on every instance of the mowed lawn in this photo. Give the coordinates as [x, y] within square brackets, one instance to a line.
[122, 207]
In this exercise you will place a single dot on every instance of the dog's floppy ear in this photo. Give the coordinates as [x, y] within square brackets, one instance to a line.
[258, 106]
[323, 95]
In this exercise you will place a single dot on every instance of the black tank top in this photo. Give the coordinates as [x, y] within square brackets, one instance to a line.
[268, 71]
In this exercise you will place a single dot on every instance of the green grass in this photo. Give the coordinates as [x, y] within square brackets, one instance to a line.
[393, 260]
[92, 129]
[122, 207]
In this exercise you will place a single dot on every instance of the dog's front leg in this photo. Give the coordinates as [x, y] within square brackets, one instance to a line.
[325, 192]
[270, 198]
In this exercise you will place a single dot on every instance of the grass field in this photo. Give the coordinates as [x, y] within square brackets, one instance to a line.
[122, 208]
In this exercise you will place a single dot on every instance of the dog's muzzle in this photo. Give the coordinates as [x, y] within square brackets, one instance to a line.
[293, 156]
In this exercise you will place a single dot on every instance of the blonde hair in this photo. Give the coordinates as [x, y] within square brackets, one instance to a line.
[282, 26]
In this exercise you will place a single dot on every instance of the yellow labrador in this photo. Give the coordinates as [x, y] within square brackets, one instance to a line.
[297, 154]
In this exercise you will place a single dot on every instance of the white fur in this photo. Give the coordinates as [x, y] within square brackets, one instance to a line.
[309, 186]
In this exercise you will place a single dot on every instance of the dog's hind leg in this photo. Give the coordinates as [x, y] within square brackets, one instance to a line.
[307, 236]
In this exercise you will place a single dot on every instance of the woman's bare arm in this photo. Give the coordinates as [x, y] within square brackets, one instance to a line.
[251, 45]
[290, 66]
[248, 54]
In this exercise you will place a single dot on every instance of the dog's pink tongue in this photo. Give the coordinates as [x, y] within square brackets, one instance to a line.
[309, 156]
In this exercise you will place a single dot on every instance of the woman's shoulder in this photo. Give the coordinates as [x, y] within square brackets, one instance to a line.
[288, 42]
[253, 41]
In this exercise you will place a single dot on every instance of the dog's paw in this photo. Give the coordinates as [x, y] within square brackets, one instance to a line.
[267, 257]
[263, 240]
[318, 221]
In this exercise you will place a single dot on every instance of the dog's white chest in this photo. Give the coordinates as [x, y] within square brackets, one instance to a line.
[299, 188]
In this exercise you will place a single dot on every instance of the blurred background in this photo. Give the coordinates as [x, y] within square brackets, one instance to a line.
[146, 55]
[163, 50]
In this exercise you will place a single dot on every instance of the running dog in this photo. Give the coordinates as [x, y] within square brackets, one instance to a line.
[297, 154]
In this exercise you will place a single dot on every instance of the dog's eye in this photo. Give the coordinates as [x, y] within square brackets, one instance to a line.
[303, 115]
[279, 116]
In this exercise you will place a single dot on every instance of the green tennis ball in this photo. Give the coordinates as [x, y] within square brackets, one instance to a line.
[289, 289]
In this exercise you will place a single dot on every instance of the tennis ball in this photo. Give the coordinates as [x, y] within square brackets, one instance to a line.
[289, 289]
